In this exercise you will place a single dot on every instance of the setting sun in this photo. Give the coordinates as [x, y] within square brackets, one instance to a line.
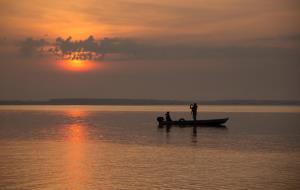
[77, 65]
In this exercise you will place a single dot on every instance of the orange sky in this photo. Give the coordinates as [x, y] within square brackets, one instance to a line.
[214, 20]
[209, 49]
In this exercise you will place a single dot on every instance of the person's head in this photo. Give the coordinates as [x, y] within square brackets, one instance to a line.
[167, 113]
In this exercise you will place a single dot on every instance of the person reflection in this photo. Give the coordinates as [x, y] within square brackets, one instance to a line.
[168, 127]
[194, 131]
[194, 134]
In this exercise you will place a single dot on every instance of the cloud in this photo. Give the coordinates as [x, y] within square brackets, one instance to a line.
[130, 49]
[91, 48]
[288, 38]
[30, 46]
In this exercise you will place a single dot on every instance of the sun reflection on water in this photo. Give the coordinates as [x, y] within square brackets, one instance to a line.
[76, 137]
[76, 133]
[76, 113]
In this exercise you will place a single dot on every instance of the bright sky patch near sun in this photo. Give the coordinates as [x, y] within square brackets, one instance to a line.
[78, 65]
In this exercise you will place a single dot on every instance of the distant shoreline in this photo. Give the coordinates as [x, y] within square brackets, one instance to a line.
[79, 101]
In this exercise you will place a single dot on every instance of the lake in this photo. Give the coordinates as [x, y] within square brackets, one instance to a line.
[121, 147]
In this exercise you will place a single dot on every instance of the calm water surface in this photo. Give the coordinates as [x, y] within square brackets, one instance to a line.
[121, 147]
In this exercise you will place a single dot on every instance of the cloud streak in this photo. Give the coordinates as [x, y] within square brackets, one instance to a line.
[91, 48]
[130, 49]
[30, 46]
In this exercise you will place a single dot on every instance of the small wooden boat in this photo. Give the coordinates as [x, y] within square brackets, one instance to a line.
[207, 122]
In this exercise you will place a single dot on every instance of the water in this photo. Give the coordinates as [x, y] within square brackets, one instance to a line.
[121, 147]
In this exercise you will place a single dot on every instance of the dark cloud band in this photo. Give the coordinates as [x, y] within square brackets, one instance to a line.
[124, 49]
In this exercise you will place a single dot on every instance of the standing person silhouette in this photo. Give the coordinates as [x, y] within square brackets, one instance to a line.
[168, 117]
[194, 108]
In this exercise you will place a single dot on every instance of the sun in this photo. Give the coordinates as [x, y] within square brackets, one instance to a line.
[77, 65]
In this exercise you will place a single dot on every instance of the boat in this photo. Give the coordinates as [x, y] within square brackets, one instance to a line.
[204, 122]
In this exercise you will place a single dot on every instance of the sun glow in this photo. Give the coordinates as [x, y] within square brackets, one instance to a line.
[78, 65]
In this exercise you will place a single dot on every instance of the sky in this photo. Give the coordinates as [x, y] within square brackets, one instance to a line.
[171, 49]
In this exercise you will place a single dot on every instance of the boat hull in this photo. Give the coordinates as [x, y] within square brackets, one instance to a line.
[207, 122]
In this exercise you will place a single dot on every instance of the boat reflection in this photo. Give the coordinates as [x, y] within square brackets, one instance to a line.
[195, 129]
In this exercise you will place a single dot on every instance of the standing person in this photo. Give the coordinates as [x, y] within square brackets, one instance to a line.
[194, 108]
[168, 117]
